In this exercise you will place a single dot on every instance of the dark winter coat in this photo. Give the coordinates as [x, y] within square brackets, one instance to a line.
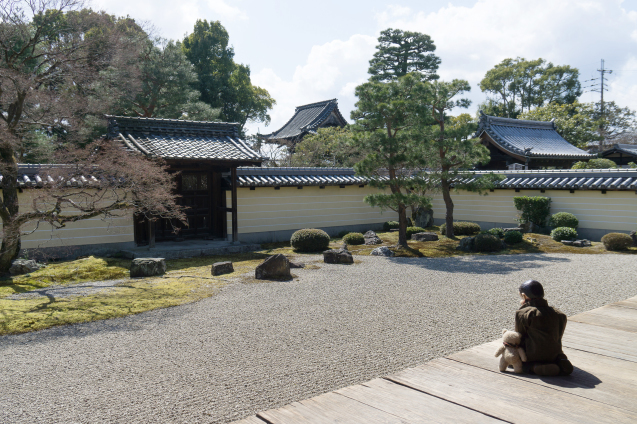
[542, 328]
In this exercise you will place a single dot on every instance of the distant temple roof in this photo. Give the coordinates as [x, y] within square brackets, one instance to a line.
[514, 136]
[627, 149]
[307, 119]
[178, 139]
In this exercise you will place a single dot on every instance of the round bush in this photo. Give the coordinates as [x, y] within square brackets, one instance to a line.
[343, 234]
[513, 237]
[498, 232]
[310, 240]
[461, 228]
[617, 241]
[487, 243]
[354, 238]
[563, 233]
[564, 219]
[414, 230]
[390, 225]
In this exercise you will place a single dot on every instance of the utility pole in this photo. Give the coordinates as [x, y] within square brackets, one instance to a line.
[600, 89]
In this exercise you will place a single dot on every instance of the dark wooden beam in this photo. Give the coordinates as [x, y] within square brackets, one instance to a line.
[235, 224]
[151, 233]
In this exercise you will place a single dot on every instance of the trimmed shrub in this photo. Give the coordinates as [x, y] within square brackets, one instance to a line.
[617, 241]
[564, 233]
[487, 243]
[534, 209]
[354, 238]
[310, 240]
[498, 232]
[595, 164]
[632, 165]
[414, 230]
[461, 228]
[564, 219]
[390, 225]
[513, 237]
[343, 234]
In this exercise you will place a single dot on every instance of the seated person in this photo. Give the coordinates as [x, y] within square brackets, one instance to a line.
[542, 328]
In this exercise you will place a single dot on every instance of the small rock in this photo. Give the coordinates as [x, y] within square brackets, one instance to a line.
[425, 237]
[466, 244]
[24, 266]
[276, 267]
[372, 238]
[220, 268]
[582, 243]
[567, 242]
[518, 229]
[382, 251]
[297, 265]
[147, 267]
[340, 256]
[633, 235]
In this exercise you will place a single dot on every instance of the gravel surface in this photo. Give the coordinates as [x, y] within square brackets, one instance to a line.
[257, 346]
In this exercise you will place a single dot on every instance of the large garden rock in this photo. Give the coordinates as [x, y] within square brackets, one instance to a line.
[24, 266]
[425, 237]
[276, 267]
[424, 218]
[372, 238]
[147, 267]
[633, 235]
[220, 268]
[382, 251]
[466, 244]
[340, 256]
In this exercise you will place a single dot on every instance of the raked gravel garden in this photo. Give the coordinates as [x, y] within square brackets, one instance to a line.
[254, 345]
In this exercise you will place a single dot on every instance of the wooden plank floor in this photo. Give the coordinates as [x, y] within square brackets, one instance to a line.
[467, 387]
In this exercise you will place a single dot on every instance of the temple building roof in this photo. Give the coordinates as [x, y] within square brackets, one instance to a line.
[626, 149]
[179, 139]
[536, 139]
[307, 119]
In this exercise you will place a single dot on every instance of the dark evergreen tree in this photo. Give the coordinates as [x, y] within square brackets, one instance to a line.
[401, 52]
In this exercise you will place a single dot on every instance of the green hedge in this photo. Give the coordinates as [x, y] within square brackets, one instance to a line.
[354, 238]
[595, 164]
[310, 240]
[498, 232]
[390, 225]
[487, 243]
[617, 241]
[461, 228]
[414, 230]
[564, 219]
[563, 233]
[534, 209]
[513, 237]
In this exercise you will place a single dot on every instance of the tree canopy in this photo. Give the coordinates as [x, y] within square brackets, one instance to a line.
[224, 84]
[331, 146]
[399, 53]
[518, 85]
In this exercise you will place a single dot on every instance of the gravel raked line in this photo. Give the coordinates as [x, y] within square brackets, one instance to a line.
[257, 346]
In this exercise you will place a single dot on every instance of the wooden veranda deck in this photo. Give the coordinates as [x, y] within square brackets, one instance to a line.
[467, 387]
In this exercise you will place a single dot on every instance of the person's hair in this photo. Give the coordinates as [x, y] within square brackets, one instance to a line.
[532, 289]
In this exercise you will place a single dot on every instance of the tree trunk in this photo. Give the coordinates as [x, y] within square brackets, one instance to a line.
[449, 208]
[11, 234]
[402, 225]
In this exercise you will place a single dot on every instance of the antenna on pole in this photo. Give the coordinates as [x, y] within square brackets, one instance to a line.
[602, 71]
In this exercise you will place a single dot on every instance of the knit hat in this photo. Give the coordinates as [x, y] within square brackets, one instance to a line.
[532, 289]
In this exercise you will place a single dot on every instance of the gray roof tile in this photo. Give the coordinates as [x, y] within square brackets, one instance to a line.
[177, 139]
[516, 135]
[306, 119]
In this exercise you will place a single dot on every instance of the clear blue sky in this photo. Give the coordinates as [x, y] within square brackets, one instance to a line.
[303, 52]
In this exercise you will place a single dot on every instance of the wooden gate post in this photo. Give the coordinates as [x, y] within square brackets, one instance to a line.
[235, 225]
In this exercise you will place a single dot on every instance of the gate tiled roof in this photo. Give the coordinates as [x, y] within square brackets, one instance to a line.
[517, 135]
[178, 139]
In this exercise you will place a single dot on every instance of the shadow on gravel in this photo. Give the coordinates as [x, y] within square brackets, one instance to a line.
[483, 264]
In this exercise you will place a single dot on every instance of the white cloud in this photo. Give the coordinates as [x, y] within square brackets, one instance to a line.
[172, 20]
[471, 40]
[332, 70]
